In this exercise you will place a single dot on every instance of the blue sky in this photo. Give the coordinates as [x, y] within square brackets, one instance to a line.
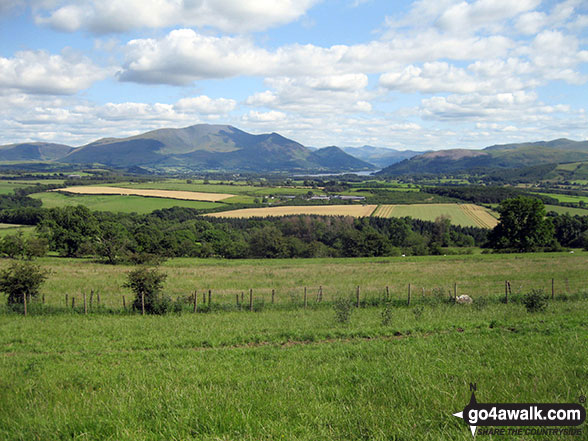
[428, 74]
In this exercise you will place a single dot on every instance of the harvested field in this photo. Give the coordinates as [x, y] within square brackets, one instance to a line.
[169, 194]
[467, 215]
[321, 210]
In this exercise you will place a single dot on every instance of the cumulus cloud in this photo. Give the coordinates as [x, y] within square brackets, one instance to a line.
[112, 16]
[205, 105]
[44, 73]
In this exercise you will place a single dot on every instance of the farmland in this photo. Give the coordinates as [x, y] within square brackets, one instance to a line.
[293, 373]
[320, 210]
[117, 203]
[460, 214]
[166, 194]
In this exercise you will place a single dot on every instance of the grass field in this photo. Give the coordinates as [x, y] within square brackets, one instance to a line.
[321, 210]
[467, 215]
[6, 229]
[115, 203]
[167, 194]
[476, 275]
[294, 374]
[566, 197]
[572, 211]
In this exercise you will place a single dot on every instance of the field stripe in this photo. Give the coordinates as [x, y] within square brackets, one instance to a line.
[168, 194]
[295, 210]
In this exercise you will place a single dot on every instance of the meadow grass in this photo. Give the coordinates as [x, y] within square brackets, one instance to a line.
[477, 275]
[295, 375]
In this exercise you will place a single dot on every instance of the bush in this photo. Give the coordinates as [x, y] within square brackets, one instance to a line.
[148, 283]
[343, 309]
[21, 279]
[535, 300]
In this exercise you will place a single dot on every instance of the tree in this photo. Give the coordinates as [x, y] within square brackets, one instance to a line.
[69, 228]
[21, 279]
[522, 225]
[147, 284]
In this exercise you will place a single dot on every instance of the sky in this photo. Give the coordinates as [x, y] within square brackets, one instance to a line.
[421, 75]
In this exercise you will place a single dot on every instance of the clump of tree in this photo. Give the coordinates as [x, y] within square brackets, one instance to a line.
[522, 227]
[147, 284]
[17, 246]
[20, 280]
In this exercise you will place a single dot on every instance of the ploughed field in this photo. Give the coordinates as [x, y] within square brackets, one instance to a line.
[391, 371]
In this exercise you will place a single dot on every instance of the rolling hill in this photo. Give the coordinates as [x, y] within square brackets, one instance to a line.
[33, 151]
[213, 147]
[506, 156]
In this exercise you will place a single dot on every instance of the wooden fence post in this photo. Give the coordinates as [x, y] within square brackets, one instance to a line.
[320, 293]
[357, 294]
[73, 302]
[506, 291]
[552, 289]
[305, 298]
[66, 300]
[250, 299]
[24, 303]
[85, 305]
[43, 297]
[237, 301]
[124, 303]
[273, 295]
[209, 297]
[142, 303]
[387, 293]
[97, 298]
[195, 309]
[408, 301]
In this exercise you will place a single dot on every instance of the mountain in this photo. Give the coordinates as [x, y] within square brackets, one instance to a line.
[33, 151]
[380, 156]
[212, 147]
[505, 156]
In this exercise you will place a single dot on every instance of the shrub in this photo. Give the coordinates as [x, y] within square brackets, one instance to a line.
[343, 309]
[148, 283]
[535, 300]
[21, 279]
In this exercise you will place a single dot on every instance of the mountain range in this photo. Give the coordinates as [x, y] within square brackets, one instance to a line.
[505, 156]
[198, 147]
[380, 156]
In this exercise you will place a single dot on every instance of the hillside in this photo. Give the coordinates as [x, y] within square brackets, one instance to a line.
[507, 156]
[212, 147]
[380, 156]
[33, 151]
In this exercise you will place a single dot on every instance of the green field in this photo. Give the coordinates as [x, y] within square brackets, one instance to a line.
[566, 197]
[294, 373]
[116, 203]
[6, 229]
[572, 211]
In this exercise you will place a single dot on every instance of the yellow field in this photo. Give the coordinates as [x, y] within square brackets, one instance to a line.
[321, 210]
[467, 215]
[169, 194]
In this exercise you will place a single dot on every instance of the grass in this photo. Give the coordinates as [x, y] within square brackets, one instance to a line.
[467, 215]
[166, 194]
[572, 211]
[115, 203]
[476, 275]
[295, 375]
[566, 197]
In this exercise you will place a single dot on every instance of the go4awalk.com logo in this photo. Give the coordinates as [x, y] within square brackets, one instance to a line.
[538, 418]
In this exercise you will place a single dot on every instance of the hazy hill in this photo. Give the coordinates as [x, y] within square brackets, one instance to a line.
[212, 147]
[33, 151]
[505, 156]
[380, 156]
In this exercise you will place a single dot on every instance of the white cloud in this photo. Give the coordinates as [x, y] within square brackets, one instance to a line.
[271, 116]
[44, 73]
[108, 16]
[205, 105]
